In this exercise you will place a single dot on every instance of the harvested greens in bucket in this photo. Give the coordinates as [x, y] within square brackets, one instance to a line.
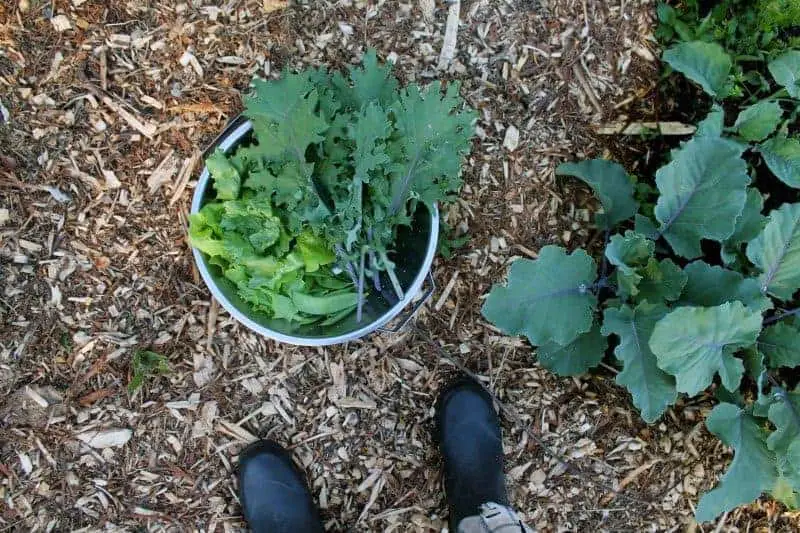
[306, 213]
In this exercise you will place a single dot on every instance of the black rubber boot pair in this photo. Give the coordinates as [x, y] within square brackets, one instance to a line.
[275, 497]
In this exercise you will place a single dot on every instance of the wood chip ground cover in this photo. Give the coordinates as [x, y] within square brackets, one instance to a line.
[105, 108]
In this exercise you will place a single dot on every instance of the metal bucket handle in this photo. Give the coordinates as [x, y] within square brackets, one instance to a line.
[405, 318]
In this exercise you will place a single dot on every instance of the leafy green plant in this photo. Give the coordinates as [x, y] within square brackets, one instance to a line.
[697, 292]
[146, 364]
[745, 27]
[310, 208]
[449, 240]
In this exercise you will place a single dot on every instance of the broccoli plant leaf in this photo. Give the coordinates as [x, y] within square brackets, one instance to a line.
[782, 155]
[753, 469]
[694, 343]
[708, 285]
[548, 299]
[785, 414]
[713, 124]
[661, 280]
[610, 183]
[652, 389]
[577, 357]
[780, 343]
[702, 194]
[748, 226]
[776, 252]
[759, 120]
[786, 71]
[706, 64]
[789, 465]
[627, 253]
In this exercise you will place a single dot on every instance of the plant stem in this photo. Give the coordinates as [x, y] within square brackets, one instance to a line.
[784, 396]
[373, 263]
[360, 305]
[348, 266]
[398, 289]
[376, 273]
[778, 318]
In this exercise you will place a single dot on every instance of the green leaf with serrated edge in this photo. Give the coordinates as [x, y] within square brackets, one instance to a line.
[753, 470]
[713, 124]
[759, 120]
[284, 116]
[661, 280]
[781, 344]
[226, 177]
[372, 82]
[706, 64]
[577, 357]
[610, 183]
[694, 343]
[707, 286]
[432, 136]
[652, 389]
[703, 191]
[748, 226]
[776, 252]
[786, 71]
[368, 133]
[782, 156]
[785, 414]
[548, 299]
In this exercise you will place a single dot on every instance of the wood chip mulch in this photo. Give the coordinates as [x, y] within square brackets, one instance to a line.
[105, 107]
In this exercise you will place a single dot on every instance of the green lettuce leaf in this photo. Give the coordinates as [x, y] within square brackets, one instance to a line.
[226, 178]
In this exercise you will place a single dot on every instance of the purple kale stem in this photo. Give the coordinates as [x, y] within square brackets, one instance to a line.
[398, 289]
[784, 314]
[347, 265]
[373, 263]
[361, 286]
[376, 274]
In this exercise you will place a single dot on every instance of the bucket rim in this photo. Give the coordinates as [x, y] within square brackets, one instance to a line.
[226, 141]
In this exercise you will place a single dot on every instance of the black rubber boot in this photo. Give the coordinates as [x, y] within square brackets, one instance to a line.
[273, 492]
[468, 431]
